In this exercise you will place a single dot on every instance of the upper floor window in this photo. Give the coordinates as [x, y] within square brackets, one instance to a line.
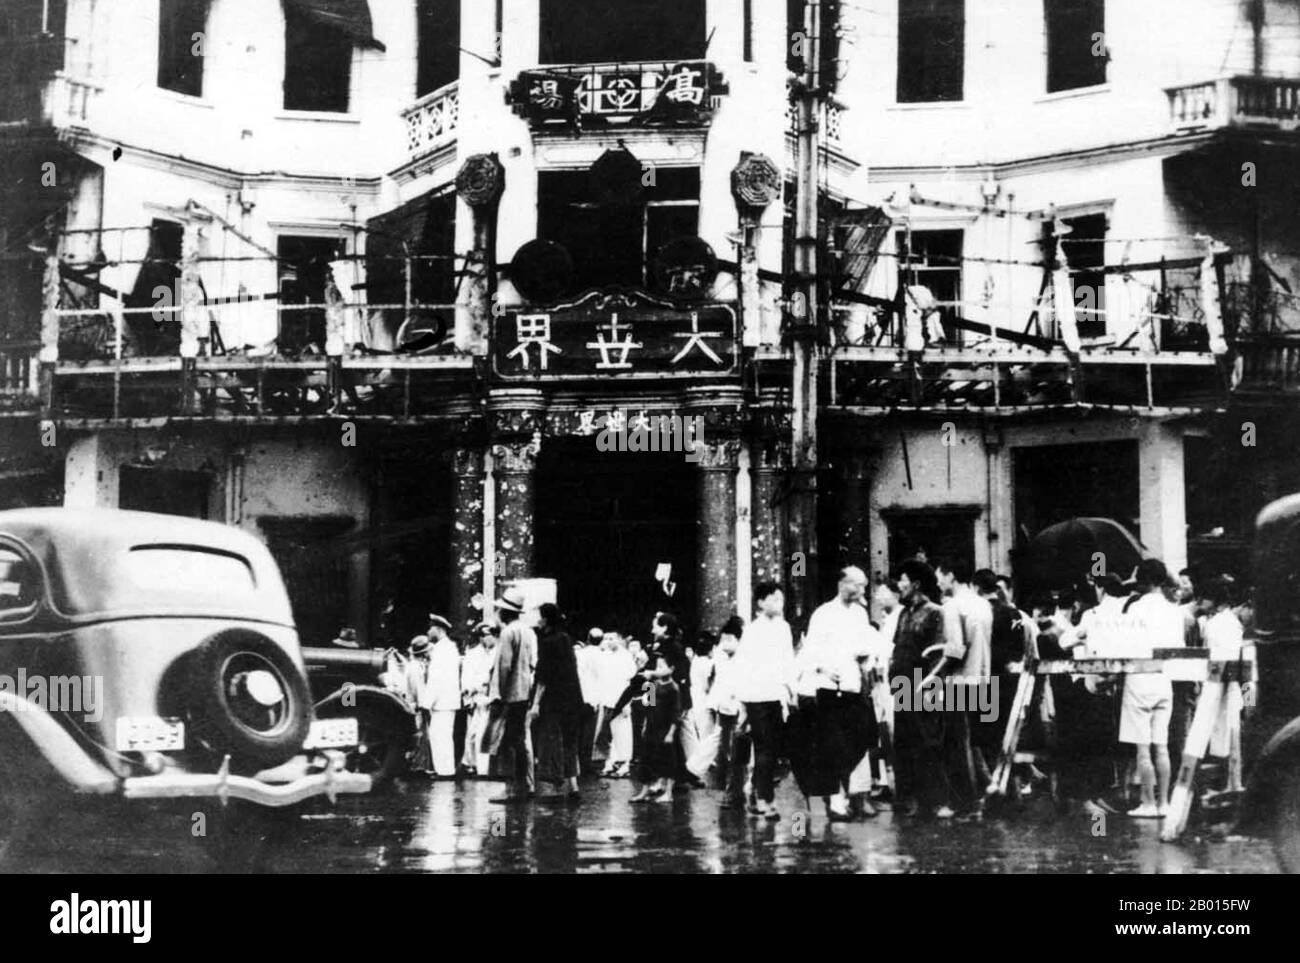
[621, 31]
[934, 261]
[438, 37]
[1085, 251]
[317, 64]
[931, 50]
[1076, 43]
[181, 39]
[613, 244]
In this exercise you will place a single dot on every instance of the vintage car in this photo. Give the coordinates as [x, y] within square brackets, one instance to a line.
[350, 683]
[150, 657]
[1271, 733]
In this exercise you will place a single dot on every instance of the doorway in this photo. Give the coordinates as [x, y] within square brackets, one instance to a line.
[604, 522]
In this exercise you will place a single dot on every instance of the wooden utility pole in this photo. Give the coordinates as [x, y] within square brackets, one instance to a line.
[803, 322]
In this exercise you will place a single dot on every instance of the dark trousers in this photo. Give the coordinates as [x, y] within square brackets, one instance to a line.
[958, 758]
[764, 720]
[586, 739]
[733, 757]
[458, 734]
[515, 758]
[919, 772]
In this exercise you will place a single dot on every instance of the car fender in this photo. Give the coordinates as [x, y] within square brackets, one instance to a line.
[55, 744]
[367, 698]
[1280, 756]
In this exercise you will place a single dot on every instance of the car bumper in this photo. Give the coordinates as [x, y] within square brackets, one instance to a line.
[225, 786]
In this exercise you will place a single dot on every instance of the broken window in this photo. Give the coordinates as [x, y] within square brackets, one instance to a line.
[1085, 249]
[317, 64]
[1076, 43]
[931, 50]
[157, 286]
[181, 26]
[304, 264]
[426, 229]
[611, 245]
[934, 261]
[438, 36]
[623, 31]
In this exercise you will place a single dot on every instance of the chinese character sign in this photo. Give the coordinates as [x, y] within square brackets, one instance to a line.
[623, 335]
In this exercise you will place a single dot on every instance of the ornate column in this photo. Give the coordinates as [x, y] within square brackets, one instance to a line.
[466, 532]
[515, 416]
[769, 460]
[479, 183]
[852, 517]
[716, 531]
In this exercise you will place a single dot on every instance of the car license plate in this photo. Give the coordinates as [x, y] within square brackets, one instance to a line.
[331, 734]
[150, 734]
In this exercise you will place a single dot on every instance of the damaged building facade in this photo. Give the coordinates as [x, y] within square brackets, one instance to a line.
[372, 279]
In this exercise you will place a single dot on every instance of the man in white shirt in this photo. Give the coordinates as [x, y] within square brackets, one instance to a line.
[763, 681]
[588, 657]
[968, 657]
[1153, 622]
[840, 638]
[442, 696]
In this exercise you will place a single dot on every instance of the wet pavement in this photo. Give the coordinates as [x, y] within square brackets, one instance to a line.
[423, 827]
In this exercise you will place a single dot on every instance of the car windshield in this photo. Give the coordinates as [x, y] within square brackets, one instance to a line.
[187, 568]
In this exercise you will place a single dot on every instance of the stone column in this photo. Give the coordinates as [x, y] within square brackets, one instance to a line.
[716, 532]
[515, 418]
[852, 523]
[768, 459]
[515, 468]
[91, 472]
[466, 532]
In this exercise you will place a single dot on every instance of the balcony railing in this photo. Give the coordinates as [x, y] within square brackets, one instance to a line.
[1256, 102]
[659, 93]
[432, 121]
[832, 122]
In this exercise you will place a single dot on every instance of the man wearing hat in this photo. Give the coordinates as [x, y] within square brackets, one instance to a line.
[510, 690]
[442, 696]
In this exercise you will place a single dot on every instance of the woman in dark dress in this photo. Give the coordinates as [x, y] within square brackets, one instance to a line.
[557, 704]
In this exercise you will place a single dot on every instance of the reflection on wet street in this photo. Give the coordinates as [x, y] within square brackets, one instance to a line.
[445, 827]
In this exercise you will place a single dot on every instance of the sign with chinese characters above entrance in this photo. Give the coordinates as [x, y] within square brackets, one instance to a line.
[622, 333]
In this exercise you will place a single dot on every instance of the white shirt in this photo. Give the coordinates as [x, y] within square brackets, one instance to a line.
[1102, 629]
[1223, 636]
[722, 696]
[588, 657]
[1154, 622]
[839, 635]
[763, 666]
[441, 690]
[615, 670]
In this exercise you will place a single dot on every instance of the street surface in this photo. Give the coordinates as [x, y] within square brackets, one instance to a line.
[423, 827]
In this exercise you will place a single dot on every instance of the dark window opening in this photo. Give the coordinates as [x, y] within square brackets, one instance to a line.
[181, 26]
[317, 65]
[315, 561]
[438, 37]
[747, 31]
[623, 32]
[1054, 483]
[612, 245]
[303, 270]
[428, 227]
[1076, 43]
[31, 53]
[1085, 248]
[936, 534]
[934, 261]
[931, 50]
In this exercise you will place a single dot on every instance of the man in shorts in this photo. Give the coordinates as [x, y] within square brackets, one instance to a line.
[1151, 622]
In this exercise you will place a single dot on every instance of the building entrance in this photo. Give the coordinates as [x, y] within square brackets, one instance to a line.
[604, 522]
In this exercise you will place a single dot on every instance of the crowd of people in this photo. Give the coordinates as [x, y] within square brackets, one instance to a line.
[896, 692]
